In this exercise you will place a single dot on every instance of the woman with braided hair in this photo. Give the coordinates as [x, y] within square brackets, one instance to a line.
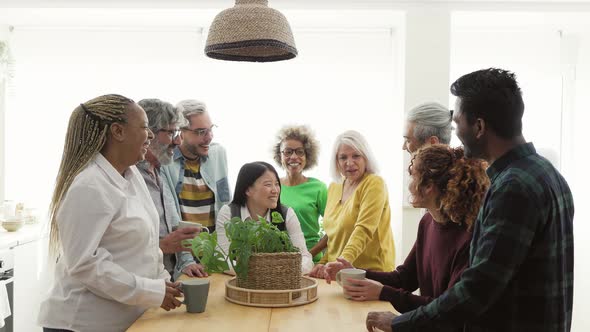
[452, 188]
[104, 225]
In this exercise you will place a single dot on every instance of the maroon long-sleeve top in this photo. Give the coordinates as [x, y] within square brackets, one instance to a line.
[439, 256]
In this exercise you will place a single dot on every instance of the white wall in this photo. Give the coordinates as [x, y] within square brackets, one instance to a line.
[427, 63]
[575, 160]
[344, 78]
[430, 46]
[549, 52]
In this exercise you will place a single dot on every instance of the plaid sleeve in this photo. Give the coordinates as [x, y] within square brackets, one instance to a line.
[504, 231]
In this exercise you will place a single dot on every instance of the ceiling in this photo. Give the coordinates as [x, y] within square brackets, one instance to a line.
[191, 13]
[294, 4]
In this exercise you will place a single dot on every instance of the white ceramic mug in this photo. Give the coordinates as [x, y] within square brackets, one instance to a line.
[183, 224]
[344, 274]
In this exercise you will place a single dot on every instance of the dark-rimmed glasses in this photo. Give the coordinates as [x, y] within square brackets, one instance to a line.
[201, 131]
[300, 152]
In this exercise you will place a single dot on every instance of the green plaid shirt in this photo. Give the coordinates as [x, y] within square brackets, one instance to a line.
[521, 272]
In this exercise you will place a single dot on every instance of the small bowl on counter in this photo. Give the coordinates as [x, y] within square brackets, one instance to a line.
[13, 225]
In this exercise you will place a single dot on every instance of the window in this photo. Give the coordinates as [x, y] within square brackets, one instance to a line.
[344, 78]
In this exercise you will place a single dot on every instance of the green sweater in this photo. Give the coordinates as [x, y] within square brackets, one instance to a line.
[308, 200]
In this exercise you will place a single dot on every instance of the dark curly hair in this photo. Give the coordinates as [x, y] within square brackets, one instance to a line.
[302, 134]
[462, 182]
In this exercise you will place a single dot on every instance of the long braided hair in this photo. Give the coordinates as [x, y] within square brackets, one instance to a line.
[462, 182]
[85, 137]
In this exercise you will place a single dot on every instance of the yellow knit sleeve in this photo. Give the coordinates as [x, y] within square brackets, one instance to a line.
[372, 197]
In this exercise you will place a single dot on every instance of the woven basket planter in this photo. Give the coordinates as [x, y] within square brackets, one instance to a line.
[280, 270]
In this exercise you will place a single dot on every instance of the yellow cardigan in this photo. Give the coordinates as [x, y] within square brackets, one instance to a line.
[360, 229]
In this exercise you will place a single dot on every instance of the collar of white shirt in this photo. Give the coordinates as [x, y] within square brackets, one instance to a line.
[245, 213]
[119, 181]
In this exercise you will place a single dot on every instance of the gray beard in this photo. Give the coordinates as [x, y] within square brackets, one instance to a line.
[164, 158]
[161, 152]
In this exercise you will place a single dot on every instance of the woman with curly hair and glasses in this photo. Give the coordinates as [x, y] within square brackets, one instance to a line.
[452, 188]
[296, 150]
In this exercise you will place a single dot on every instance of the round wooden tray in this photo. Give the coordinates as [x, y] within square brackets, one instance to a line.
[272, 298]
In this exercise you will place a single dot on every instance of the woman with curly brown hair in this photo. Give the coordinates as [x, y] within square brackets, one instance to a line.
[452, 188]
[296, 150]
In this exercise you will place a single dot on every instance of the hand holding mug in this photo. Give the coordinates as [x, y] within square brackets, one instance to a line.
[172, 243]
[363, 290]
[183, 225]
[348, 277]
[170, 301]
[332, 268]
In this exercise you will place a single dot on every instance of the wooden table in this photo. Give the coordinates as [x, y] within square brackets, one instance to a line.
[330, 312]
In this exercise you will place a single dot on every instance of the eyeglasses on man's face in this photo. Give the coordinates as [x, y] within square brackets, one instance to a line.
[201, 131]
[172, 133]
[300, 152]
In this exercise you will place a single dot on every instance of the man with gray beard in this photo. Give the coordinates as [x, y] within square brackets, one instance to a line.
[165, 121]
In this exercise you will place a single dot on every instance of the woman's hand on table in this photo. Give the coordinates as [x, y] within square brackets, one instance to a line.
[170, 298]
[363, 290]
[317, 271]
[195, 270]
[332, 268]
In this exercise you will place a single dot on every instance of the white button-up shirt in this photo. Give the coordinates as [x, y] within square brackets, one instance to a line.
[110, 269]
[291, 224]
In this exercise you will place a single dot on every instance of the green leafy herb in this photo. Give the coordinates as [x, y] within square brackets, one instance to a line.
[276, 218]
[246, 238]
[209, 252]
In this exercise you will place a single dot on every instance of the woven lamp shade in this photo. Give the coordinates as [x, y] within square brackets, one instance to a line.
[250, 31]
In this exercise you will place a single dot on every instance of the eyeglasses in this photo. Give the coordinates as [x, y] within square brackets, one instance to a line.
[172, 133]
[300, 152]
[201, 131]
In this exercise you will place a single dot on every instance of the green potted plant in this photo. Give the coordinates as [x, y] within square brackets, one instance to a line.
[262, 256]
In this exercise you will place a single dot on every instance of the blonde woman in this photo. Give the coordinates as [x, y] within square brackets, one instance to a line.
[452, 188]
[104, 225]
[357, 219]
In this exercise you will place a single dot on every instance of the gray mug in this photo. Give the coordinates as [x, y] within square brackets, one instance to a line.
[195, 294]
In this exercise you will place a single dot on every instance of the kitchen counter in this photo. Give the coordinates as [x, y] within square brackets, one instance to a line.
[27, 233]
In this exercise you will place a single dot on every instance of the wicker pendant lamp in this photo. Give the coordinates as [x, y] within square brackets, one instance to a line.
[250, 31]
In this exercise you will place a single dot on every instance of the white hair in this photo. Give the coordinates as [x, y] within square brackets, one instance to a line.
[355, 140]
[431, 119]
[190, 107]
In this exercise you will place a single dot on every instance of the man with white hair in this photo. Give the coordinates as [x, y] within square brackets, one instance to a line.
[428, 123]
[199, 168]
[164, 121]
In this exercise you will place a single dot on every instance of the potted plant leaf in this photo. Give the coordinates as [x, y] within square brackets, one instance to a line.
[262, 256]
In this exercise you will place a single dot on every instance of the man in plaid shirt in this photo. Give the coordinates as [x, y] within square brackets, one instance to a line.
[521, 270]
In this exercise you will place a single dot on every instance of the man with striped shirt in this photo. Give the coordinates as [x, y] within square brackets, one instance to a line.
[520, 274]
[164, 121]
[199, 168]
